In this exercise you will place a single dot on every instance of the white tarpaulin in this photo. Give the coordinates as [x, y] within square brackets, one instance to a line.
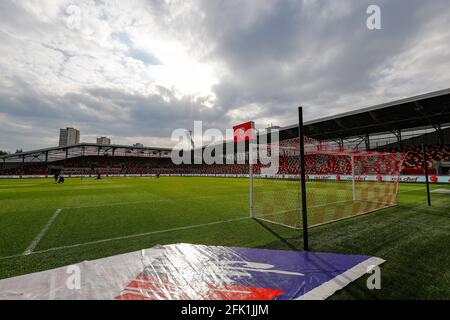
[185, 271]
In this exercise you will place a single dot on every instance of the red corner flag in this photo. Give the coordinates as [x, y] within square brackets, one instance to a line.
[243, 132]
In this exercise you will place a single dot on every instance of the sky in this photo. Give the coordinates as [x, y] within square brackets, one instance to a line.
[136, 70]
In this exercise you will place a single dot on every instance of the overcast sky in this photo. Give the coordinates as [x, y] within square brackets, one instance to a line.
[136, 70]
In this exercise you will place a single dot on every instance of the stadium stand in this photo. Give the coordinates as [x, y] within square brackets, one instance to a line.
[428, 111]
[91, 165]
[413, 164]
[133, 165]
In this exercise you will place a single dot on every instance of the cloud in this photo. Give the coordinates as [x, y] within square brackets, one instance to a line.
[321, 55]
[137, 70]
[125, 117]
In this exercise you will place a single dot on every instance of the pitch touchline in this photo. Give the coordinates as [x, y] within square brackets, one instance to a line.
[38, 238]
[405, 191]
[41, 234]
[148, 201]
[116, 204]
[137, 235]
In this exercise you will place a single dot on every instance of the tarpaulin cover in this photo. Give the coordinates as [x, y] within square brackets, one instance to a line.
[186, 271]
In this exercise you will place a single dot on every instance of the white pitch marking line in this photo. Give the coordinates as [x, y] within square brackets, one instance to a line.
[118, 204]
[410, 190]
[41, 234]
[139, 235]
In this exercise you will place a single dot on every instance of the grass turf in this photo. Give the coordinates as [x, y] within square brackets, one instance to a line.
[118, 215]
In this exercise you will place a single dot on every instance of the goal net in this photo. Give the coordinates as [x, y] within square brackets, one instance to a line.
[340, 184]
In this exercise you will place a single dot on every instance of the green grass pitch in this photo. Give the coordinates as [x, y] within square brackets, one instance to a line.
[91, 219]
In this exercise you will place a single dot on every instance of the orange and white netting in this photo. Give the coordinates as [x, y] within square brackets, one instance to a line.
[340, 183]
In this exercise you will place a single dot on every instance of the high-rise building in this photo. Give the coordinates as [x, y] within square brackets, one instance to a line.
[68, 137]
[104, 140]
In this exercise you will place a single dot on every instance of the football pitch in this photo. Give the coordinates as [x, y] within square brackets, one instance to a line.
[44, 226]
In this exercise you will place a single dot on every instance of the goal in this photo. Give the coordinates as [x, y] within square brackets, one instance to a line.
[340, 184]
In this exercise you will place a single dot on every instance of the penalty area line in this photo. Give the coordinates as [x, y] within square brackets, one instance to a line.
[41, 234]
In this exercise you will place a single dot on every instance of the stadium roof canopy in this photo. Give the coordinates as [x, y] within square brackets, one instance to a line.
[426, 110]
[423, 111]
[83, 149]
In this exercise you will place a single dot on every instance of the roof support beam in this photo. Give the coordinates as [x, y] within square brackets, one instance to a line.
[340, 124]
[361, 139]
[421, 110]
[438, 129]
[375, 119]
